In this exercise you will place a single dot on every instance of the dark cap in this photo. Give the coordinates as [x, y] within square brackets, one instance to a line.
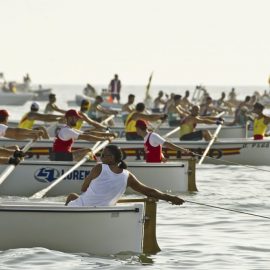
[259, 106]
[70, 113]
[4, 113]
[141, 124]
[85, 102]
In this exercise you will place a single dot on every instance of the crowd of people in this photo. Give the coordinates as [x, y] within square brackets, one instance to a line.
[178, 111]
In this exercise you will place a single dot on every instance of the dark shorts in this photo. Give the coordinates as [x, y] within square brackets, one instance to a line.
[156, 110]
[61, 156]
[133, 136]
[193, 136]
[117, 96]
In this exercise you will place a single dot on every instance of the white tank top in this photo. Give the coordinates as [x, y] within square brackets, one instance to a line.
[105, 190]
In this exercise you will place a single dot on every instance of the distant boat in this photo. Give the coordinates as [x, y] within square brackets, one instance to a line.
[15, 98]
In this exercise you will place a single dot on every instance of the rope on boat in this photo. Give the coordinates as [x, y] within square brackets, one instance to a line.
[232, 210]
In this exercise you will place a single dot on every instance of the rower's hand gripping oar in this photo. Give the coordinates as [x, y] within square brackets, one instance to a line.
[9, 169]
[40, 194]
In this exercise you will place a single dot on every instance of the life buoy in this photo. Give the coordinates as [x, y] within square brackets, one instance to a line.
[215, 153]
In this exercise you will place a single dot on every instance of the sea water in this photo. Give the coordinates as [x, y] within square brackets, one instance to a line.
[191, 236]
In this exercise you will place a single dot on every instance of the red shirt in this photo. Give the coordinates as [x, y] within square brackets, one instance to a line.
[153, 154]
[62, 146]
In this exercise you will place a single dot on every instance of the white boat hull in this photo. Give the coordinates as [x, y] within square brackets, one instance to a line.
[95, 230]
[32, 176]
[242, 151]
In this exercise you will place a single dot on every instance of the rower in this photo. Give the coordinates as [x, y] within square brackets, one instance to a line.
[153, 143]
[185, 103]
[96, 110]
[62, 146]
[107, 182]
[176, 112]
[29, 119]
[188, 125]
[260, 122]
[128, 107]
[130, 125]
[51, 106]
[85, 106]
[17, 134]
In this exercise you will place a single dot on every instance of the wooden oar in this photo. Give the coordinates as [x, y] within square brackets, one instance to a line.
[9, 169]
[41, 193]
[171, 132]
[103, 122]
[108, 119]
[210, 144]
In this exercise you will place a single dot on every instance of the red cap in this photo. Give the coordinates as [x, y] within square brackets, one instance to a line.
[4, 113]
[141, 124]
[72, 113]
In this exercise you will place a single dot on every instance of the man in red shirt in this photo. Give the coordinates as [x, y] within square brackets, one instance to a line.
[153, 143]
[62, 146]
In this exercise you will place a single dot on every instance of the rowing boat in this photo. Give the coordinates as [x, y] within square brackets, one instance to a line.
[32, 176]
[226, 131]
[128, 227]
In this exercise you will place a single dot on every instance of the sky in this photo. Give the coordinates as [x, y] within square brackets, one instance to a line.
[214, 42]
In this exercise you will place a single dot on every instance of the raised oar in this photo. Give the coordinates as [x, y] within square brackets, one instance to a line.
[108, 119]
[9, 169]
[103, 122]
[171, 132]
[210, 144]
[41, 193]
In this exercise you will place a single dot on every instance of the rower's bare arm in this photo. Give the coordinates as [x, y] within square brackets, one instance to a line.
[4, 152]
[55, 108]
[21, 133]
[102, 134]
[91, 138]
[147, 117]
[94, 173]
[135, 184]
[205, 121]
[91, 122]
[45, 117]
[182, 112]
[106, 111]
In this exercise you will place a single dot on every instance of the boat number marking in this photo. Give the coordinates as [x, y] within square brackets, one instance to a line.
[257, 145]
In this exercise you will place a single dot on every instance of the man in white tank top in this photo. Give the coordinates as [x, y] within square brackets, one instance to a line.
[107, 182]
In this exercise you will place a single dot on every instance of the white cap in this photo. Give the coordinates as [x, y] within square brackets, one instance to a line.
[35, 106]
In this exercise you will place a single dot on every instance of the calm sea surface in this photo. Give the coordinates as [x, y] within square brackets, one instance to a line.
[191, 236]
